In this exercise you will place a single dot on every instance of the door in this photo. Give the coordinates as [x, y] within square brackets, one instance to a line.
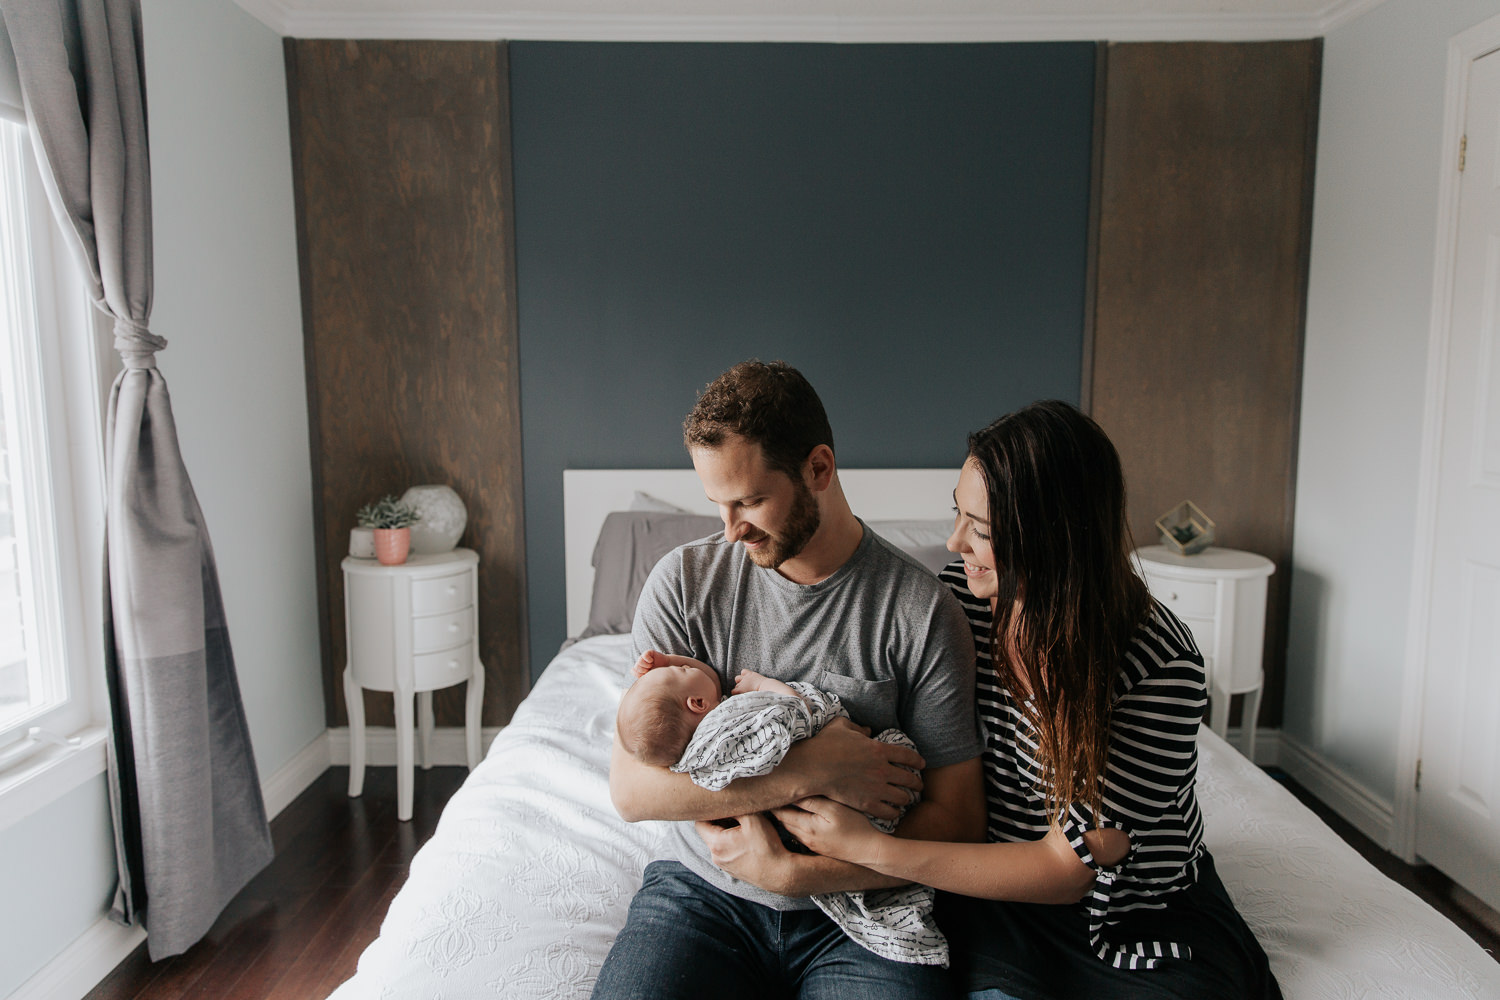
[1458, 795]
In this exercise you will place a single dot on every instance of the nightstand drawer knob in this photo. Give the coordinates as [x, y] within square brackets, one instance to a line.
[442, 668]
[453, 626]
[449, 593]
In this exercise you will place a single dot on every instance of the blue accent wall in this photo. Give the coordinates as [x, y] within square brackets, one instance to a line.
[906, 224]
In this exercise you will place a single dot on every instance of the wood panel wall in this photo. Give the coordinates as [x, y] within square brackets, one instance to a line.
[1205, 212]
[401, 156]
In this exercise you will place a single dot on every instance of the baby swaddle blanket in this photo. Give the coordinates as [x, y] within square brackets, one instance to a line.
[747, 735]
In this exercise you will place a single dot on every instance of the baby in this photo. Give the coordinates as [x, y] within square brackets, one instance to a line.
[675, 715]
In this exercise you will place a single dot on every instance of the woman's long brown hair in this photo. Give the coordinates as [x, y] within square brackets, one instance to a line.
[1068, 599]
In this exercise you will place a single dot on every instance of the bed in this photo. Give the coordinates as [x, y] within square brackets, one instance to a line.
[529, 875]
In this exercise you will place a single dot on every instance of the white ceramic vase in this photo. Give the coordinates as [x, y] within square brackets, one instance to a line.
[443, 518]
[362, 543]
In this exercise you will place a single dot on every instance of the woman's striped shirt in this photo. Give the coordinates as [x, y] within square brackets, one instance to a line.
[1159, 697]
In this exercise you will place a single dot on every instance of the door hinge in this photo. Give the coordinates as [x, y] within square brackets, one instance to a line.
[1419, 774]
[1463, 152]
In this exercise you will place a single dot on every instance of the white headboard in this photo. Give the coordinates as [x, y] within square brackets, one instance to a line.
[589, 495]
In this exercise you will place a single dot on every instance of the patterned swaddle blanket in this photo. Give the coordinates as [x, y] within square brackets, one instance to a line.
[747, 735]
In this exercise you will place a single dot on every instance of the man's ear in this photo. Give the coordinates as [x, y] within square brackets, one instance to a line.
[818, 469]
[698, 704]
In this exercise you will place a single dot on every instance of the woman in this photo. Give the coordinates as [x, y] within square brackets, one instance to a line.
[1095, 882]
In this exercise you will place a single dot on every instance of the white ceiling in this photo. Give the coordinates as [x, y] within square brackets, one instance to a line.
[809, 20]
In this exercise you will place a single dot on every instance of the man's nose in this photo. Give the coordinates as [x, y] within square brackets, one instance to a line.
[735, 525]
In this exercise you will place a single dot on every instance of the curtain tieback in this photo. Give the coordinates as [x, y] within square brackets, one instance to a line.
[137, 344]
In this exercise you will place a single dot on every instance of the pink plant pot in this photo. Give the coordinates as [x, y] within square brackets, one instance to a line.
[392, 545]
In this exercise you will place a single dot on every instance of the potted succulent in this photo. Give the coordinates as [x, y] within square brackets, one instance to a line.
[392, 520]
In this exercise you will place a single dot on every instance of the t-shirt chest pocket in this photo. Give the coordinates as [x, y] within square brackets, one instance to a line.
[869, 703]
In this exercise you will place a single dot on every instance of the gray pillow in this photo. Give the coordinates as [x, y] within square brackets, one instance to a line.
[645, 501]
[630, 545]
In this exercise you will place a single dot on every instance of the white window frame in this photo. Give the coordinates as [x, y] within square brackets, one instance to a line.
[76, 366]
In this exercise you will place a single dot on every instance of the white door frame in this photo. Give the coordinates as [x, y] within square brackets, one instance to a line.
[1463, 49]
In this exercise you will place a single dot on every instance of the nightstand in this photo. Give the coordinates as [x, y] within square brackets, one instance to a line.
[1220, 595]
[411, 629]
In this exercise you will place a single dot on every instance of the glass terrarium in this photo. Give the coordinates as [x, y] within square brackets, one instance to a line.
[1185, 529]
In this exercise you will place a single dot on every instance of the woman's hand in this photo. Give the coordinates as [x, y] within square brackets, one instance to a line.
[833, 830]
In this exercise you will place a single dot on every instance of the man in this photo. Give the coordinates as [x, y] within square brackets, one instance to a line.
[797, 588]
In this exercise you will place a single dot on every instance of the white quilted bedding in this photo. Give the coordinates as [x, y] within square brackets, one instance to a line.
[520, 891]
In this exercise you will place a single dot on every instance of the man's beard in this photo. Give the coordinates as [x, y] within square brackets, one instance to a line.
[801, 524]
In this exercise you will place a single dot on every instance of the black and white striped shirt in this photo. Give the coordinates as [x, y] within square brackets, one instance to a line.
[1159, 697]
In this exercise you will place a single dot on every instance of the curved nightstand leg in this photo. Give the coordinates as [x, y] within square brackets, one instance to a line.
[424, 722]
[354, 702]
[1218, 711]
[1248, 719]
[404, 739]
[473, 704]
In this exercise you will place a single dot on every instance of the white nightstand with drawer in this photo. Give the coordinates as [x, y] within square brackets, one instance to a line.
[1220, 594]
[411, 629]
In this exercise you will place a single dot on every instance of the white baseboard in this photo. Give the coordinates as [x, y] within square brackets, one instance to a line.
[1367, 812]
[80, 966]
[293, 777]
[1267, 744]
[380, 745]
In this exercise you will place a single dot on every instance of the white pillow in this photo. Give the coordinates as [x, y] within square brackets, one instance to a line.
[924, 541]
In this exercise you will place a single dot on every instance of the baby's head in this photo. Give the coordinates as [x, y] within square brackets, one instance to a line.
[661, 710]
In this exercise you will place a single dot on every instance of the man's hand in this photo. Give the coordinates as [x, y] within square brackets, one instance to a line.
[844, 764]
[751, 851]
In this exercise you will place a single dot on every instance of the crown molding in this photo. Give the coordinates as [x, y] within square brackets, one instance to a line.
[302, 21]
[1341, 12]
[272, 13]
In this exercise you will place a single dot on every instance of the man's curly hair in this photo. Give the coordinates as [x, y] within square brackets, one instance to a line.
[768, 403]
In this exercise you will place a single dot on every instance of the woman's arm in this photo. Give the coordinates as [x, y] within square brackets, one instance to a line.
[753, 852]
[1041, 871]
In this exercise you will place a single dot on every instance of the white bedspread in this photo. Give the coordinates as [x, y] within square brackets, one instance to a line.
[520, 891]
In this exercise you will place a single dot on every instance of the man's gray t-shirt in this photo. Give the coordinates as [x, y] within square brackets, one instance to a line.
[882, 633]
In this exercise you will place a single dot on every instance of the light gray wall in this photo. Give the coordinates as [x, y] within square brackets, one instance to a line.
[1363, 384]
[229, 303]
[58, 870]
[227, 300]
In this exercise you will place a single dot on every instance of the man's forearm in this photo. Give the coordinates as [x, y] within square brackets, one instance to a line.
[642, 792]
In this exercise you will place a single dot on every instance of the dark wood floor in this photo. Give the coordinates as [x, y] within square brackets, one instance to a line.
[297, 930]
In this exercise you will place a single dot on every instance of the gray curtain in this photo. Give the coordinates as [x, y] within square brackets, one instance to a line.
[190, 826]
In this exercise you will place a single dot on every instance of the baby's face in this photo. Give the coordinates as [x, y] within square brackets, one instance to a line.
[687, 685]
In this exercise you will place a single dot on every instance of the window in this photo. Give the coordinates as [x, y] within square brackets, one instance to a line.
[51, 495]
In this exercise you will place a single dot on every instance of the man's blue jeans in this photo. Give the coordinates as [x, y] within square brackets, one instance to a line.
[685, 940]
